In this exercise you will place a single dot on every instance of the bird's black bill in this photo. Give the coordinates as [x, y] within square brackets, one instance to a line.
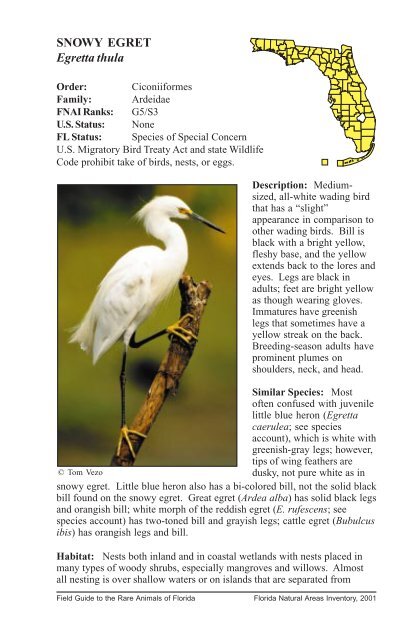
[195, 216]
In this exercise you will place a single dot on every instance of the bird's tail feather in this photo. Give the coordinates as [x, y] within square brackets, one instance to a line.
[100, 347]
[84, 332]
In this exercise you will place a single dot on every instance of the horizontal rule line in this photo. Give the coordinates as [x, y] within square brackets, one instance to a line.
[190, 592]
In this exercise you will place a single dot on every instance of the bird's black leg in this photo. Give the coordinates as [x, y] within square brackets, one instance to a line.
[174, 329]
[122, 380]
[124, 435]
[136, 345]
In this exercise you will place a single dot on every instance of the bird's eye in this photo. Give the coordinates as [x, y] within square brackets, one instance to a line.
[184, 211]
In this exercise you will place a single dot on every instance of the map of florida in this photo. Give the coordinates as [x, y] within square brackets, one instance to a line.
[347, 94]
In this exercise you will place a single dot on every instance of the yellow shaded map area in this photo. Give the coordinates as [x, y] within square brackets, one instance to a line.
[347, 94]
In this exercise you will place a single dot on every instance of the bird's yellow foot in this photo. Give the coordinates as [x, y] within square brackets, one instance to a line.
[177, 330]
[124, 435]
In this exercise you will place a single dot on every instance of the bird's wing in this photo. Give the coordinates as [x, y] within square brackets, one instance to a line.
[124, 297]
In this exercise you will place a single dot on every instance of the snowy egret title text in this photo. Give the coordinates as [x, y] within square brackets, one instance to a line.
[99, 43]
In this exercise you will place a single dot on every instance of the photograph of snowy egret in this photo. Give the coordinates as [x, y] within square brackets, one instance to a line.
[121, 251]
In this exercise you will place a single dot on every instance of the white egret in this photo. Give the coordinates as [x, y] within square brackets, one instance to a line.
[135, 285]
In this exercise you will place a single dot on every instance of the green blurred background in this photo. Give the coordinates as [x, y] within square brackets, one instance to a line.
[198, 426]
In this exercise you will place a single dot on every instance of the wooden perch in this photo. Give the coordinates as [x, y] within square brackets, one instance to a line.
[193, 300]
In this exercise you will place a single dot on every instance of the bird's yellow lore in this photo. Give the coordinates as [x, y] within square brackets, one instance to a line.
[347, 94]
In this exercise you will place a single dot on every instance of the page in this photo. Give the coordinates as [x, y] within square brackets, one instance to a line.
[207, 319]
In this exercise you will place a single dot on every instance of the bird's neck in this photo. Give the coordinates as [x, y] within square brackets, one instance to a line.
[172, 236]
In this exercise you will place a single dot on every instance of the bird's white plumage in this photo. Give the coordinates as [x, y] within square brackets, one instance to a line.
[138, 281]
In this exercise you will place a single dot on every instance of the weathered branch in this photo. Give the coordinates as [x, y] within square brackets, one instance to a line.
[193, 300]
